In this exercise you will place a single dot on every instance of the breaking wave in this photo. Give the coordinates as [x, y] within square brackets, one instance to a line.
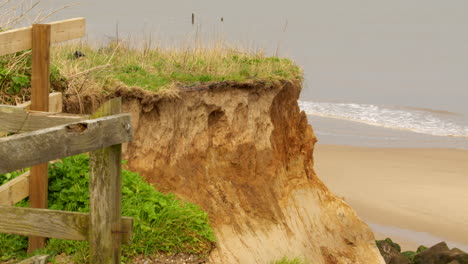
[426, 121]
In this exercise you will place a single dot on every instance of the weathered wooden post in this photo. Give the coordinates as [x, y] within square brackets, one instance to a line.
[105, 194]
[39, 38]
[38, 183]
[104, 227]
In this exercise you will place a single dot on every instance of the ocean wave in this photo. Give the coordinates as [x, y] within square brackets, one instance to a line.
[419, 120]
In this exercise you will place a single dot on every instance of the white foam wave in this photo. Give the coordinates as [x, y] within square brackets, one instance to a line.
[420, 121]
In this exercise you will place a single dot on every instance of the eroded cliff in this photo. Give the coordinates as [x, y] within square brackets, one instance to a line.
[244, 153]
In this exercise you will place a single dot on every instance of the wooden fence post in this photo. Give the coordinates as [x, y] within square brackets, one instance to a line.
[105, 183]
[38, 184]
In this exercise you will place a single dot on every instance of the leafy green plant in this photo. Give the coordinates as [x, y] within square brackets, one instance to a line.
[8, 176]
[162, 223]
[17, 82]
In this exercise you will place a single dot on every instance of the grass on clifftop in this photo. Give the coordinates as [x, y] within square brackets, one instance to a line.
[162, 223]
[158, 70]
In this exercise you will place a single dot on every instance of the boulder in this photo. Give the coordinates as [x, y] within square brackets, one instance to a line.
[441, 254]
[390, 251]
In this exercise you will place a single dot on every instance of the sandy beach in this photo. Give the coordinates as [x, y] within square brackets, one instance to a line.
[414, 196]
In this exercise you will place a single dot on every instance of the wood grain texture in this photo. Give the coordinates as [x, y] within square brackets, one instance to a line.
[55, 103]
[21, 39]
[38, 186]
[40, 82]
[15, 190]
[49, 223]
[105, 189]
[15, 40]
[14, 119]
[27, 149]
[40, 77]
[68, 29]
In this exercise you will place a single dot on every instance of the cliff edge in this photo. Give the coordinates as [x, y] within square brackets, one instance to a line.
[244, 153]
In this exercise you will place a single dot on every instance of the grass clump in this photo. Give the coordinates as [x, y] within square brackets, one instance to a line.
[157, 70]
[162, 223]
[286, 260]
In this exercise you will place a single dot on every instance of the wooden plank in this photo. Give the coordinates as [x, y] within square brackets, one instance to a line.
[40, 82]
[15, 40]
[40, 77]
[27, 149]
[21, 39]
[55, 103]
[68, 29]
[50, 223]
[16, 120]
[15, 190]
[35, 260]
[105, 194]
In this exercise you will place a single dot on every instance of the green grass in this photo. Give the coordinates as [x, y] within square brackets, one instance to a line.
[286, 260]
[162, 223]
[157, 70]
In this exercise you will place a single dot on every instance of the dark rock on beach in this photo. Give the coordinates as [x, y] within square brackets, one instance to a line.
[441, 254]
[437, 254]
[391, 252]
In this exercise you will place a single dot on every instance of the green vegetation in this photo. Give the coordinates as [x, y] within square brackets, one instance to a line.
[162, 223]
[157, 70]
[8, 176]
[286, 260]
[389, 241]
[410, 255]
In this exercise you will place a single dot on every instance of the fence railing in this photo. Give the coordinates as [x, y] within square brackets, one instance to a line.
[43, 137]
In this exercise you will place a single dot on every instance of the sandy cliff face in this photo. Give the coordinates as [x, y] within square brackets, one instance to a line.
[244, 152]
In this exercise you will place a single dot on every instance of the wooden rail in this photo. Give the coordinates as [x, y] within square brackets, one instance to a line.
[52, 223]
[28, 149]
[15, 119]
[21, 39]
[39, 37]
[103, 227]
[15, 190]
[51, 136]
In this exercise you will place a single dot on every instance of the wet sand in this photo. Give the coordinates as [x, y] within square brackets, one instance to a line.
[415, 196]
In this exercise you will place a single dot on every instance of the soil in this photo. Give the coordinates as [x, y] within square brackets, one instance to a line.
[244, 153]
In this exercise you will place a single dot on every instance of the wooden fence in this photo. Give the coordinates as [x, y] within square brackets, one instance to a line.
[42, 137]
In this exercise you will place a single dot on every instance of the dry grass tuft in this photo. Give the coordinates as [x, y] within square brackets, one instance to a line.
[161, 70]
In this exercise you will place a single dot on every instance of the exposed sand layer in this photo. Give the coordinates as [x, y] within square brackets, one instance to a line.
[422, 190]
[244, 153]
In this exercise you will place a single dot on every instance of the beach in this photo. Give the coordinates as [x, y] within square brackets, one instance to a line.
[412, 195]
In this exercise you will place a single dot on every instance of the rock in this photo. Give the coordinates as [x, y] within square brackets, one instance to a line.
[390, 251]
[441, 254]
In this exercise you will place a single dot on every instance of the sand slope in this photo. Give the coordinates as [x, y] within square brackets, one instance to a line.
[244, 153]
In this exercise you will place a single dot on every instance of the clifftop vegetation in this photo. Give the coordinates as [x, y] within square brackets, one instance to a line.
[80, 69]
